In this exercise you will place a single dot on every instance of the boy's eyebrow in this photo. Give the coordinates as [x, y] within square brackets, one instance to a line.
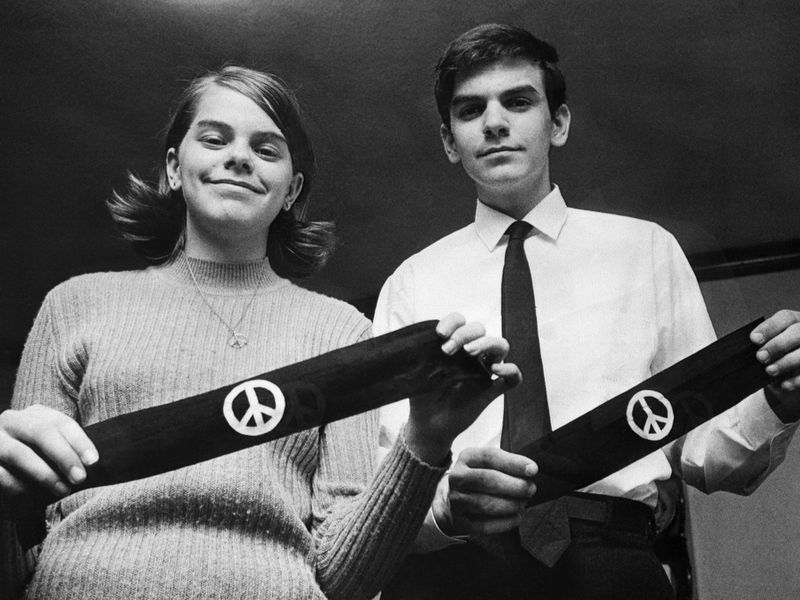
[268, 135]
[521, 89]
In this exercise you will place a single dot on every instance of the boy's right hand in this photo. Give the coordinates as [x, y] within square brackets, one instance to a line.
[486, 491]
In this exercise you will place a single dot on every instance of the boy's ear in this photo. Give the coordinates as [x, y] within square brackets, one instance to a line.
[449, 144]
[561, 121]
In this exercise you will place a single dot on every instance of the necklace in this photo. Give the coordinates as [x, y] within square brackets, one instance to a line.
[237, 340]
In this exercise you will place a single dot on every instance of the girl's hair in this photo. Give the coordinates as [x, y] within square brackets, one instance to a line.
[152, 217]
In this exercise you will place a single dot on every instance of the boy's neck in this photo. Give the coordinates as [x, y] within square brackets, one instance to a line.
[516, 203]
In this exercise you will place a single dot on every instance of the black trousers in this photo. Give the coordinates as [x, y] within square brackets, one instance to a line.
[601, 563]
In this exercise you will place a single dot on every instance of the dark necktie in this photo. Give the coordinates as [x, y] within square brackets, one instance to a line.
[544, 531]
[525, 416]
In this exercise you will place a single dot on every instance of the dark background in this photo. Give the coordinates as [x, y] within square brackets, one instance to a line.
[684, 112]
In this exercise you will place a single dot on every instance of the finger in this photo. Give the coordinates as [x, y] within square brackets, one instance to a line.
[478, 482]
[509, 376]
[27, 467]
[483, 395]
[80, 443]
[484, 505]
[462, 335]
[489, 457]
[791, 384]
[478, 526]
[449, 324]
[49, 441]
[495, 349]
[774, 325]
[784, 343]
[786, 366]
[12, 485]
[788, 380]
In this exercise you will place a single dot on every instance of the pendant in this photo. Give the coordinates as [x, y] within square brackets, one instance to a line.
[237, 340]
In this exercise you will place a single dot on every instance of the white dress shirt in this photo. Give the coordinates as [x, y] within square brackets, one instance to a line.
[616, 302]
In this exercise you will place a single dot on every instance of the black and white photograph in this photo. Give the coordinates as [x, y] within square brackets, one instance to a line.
[314, 299]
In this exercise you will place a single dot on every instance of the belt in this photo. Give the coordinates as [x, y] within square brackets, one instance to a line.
[546, 529]
[619, 514]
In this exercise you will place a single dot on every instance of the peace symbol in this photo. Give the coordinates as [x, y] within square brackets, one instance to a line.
[264, 418]
[656, 427]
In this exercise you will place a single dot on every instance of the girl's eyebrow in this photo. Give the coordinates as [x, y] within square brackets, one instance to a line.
[213, 123]
[268, 135]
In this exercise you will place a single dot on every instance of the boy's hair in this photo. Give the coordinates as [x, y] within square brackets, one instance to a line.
[490, 43]
[153, 217]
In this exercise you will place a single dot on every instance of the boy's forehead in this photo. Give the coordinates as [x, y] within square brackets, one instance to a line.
[494, 77]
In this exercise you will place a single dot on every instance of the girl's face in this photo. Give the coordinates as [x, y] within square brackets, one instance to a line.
[235, 172]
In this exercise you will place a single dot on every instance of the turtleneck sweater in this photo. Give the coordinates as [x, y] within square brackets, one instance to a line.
[299, 517]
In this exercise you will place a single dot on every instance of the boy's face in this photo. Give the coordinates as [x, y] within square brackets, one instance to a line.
[501, 129]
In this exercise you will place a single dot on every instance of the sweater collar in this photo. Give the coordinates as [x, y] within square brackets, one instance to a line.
[221, 277]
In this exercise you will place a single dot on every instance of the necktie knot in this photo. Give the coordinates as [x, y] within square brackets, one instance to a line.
[518, 230]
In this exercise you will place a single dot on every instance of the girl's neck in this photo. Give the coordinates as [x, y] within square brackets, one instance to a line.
[223, 251]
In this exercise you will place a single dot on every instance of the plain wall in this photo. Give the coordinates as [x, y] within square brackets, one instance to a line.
[747, 547]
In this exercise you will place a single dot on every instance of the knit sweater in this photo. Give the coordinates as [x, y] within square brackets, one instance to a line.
[300, 517]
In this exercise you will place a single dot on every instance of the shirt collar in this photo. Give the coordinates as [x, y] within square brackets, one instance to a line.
[547, 217]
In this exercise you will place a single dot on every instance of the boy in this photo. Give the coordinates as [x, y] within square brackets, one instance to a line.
[616, 302]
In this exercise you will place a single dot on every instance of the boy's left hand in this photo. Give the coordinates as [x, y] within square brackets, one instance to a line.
[778, 339]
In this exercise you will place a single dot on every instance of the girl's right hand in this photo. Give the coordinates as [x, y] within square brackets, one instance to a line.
[435, 419]
[42, 448]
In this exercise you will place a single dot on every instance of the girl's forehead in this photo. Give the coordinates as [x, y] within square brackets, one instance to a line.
[223, 104]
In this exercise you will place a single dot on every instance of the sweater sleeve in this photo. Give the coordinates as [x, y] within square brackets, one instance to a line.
[363, 526]
[361, 539]
[37, 382]
[47, 372]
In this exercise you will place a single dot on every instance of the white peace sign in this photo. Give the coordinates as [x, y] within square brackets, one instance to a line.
[655, 427]
[256, 412]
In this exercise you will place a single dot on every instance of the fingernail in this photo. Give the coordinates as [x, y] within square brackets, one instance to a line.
[762, 355]
[449, 347]
[61, 488]
[76, 474]
[470, 346]
[757, 338]
[772, 370]
[788, 386]
[531, 470]
[89, 457]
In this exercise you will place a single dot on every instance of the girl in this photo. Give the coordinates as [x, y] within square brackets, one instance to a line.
[300, 517]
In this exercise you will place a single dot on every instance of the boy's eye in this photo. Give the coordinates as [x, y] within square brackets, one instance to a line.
[519, 102]
[469, 111]
[212, 140]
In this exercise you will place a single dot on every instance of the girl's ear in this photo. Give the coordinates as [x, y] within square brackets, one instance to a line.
[294, 191]
[173, 170]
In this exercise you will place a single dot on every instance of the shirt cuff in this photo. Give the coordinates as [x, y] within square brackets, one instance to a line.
[758, 423]
[432, 538]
